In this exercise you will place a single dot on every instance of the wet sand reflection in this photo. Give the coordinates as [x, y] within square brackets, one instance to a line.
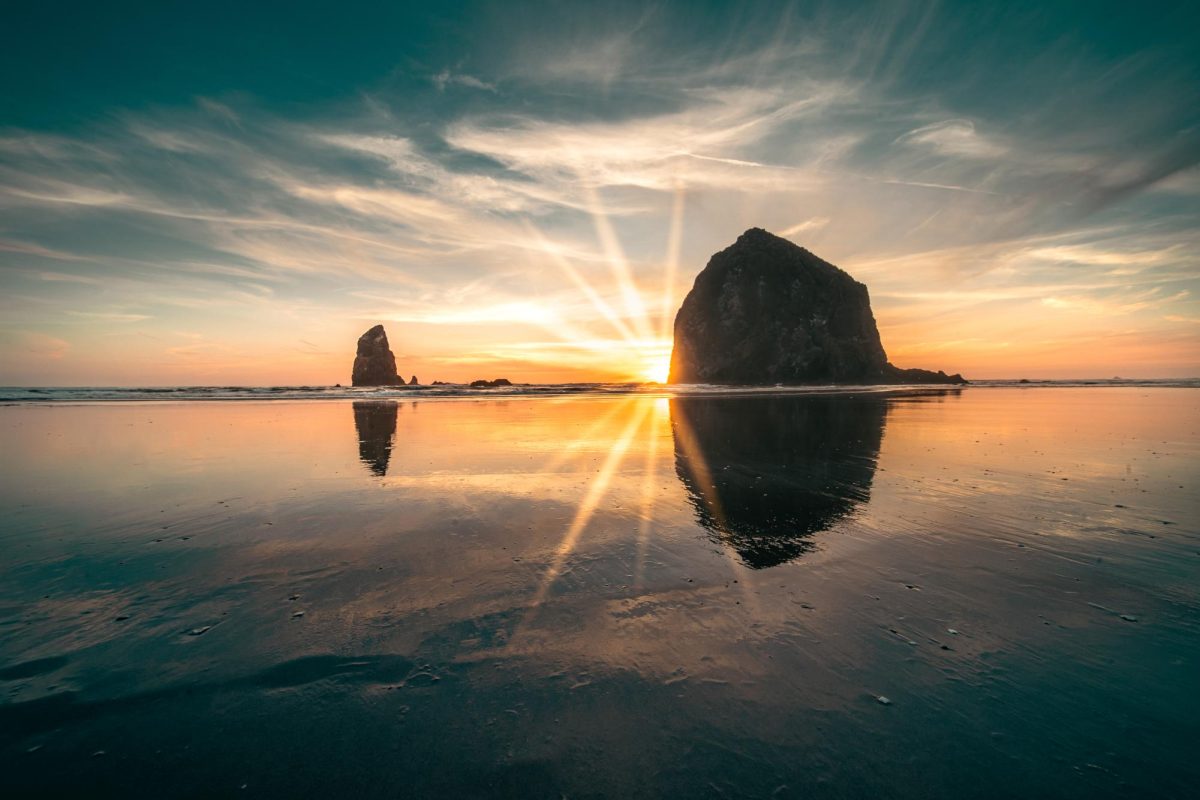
[375, 422]
[765, 474]
[536, 579]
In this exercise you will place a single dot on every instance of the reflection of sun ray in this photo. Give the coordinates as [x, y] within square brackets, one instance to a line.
[618, 264]
[568, 451]
[587, 506]
[581, 283]
[649, 480]
[707, 488]
[674, 237]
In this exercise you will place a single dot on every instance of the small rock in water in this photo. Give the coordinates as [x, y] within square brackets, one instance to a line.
[1129, 617]
[297, 614]
[199, 631]
[883, 701]
[951, 631]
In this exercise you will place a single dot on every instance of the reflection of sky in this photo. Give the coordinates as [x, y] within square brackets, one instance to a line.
[547, 561]
[565, 484]
[187, 200]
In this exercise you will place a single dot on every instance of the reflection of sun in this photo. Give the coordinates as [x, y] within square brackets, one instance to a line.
[632, 421]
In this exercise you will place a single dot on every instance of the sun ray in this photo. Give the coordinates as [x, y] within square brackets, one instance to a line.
[617, 262]
[706, 486]
[674, 239]
[587, 506]
[649, 481]
[567, 451]
[581, 283]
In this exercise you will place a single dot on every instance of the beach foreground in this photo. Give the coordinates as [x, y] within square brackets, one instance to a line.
[969, 593]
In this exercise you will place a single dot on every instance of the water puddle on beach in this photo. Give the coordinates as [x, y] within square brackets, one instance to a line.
[986, 592]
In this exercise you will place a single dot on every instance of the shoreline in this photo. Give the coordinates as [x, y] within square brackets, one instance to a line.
[22, 396]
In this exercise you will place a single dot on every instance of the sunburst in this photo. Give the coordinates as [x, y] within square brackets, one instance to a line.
[639, 346]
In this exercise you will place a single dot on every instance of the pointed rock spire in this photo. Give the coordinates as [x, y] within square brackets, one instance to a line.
[374, 363]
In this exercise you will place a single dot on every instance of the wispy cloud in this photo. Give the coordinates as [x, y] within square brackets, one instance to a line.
[812, 224]
[955, 137]
[514, 188]
[446, 78]
[109, 316]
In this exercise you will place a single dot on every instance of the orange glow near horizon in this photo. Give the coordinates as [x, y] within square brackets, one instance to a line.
[591, 500]
[602, 321]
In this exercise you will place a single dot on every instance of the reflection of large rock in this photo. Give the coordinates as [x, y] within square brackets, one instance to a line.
[764, 311]
[374, 364]
[765, 474]
[375, 421]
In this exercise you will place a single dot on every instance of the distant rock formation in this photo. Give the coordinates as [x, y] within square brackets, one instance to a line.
[374, 364]
[414, 381]
[765, 311]
[491, 384]
[375, 422]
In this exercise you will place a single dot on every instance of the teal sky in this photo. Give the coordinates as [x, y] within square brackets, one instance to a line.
[214, 193]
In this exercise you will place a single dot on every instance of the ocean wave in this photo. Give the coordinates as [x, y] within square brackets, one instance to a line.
[92, 394]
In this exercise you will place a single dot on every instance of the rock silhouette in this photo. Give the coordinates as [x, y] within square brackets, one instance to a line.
[414, 381]
[765, 474]
[375, 422]
[765, 311]
[374, 363]
[493, 384]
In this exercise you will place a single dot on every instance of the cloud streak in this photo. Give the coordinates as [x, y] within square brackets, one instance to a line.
[495, 191]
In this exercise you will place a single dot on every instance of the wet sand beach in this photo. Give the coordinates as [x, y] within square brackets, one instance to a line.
[989, 592]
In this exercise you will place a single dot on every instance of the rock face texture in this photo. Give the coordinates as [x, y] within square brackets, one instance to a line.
[765, 311]
[374, 364]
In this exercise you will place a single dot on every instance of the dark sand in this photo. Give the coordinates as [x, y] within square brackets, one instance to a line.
[604, 597]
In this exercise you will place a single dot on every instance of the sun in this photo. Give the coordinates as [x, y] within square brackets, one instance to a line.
[657, 369]
[644, 346]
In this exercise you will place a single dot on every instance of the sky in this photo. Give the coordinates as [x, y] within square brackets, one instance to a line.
[231, 193]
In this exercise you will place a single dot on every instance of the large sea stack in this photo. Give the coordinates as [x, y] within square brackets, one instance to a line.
[374, 364]
[765, 311]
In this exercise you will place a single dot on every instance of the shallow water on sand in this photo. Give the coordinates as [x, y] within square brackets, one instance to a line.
[987, 592]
